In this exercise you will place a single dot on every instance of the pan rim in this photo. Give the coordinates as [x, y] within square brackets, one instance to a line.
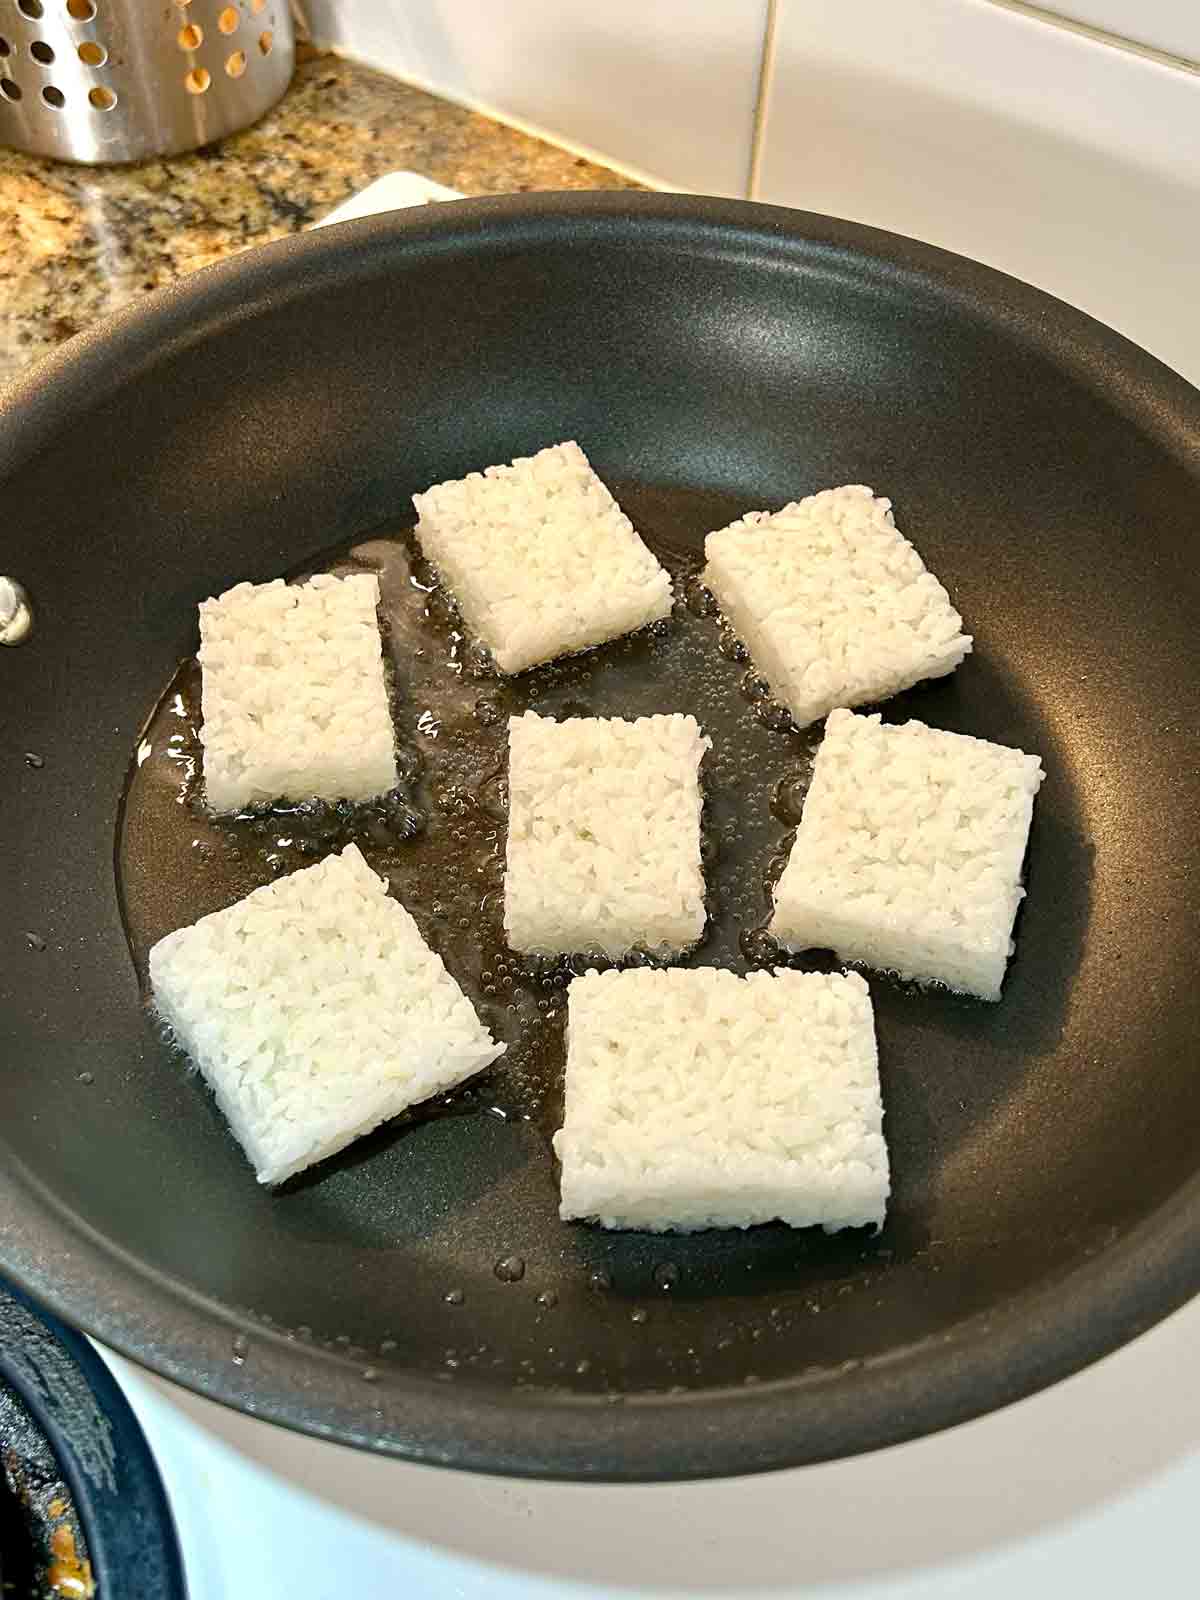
[986, 1362]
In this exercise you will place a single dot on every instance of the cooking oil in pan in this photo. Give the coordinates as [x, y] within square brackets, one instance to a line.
[439, 837]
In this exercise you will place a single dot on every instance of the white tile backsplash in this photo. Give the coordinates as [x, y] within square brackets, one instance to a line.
[665, 88]
[980, 125]
[1062, 160]
[1170, 25]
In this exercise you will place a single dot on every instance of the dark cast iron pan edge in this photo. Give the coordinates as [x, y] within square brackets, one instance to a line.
[100, 1447]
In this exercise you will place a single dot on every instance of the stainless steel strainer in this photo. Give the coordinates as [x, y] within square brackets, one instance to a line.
[118, 80]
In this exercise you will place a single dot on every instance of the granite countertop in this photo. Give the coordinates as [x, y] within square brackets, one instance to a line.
[77, 242]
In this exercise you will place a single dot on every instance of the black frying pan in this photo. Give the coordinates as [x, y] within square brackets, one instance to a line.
[80, 1495]
[712, 357]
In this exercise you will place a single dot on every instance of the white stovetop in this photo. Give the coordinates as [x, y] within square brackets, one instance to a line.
[1088, 1489]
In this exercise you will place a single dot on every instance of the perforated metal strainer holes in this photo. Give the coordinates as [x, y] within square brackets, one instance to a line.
[211, 66]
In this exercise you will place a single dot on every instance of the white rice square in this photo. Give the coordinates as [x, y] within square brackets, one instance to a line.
[698, 1099]
[909, 852]
[540, 558]
[603, 834]
[294, 694]
[833, 603]
[315, 1011]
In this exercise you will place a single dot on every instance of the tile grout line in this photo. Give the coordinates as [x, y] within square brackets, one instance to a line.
[766, 79]
[1115, 41]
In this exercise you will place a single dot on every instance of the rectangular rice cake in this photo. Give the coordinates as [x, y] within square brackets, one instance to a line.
[294, 694]
[832, 602]
[698, 1099]
[540, 558]
[909, 850]
[315, 1011]
[603, 845]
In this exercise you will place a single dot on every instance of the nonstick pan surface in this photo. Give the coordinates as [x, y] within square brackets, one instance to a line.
[712, 357]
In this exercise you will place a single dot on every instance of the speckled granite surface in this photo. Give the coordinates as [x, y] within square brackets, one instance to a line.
[77, 242]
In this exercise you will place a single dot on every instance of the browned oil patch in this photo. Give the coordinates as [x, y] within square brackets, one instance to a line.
[440, 838]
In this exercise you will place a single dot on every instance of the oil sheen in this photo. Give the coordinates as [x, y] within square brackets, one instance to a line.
[439, 838]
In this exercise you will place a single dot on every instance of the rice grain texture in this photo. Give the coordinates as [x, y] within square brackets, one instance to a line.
[540, 558]
[909, 852]
[833, 603]
[294, 695]
[315, 1011]
[698, 1099]
[603, 845]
